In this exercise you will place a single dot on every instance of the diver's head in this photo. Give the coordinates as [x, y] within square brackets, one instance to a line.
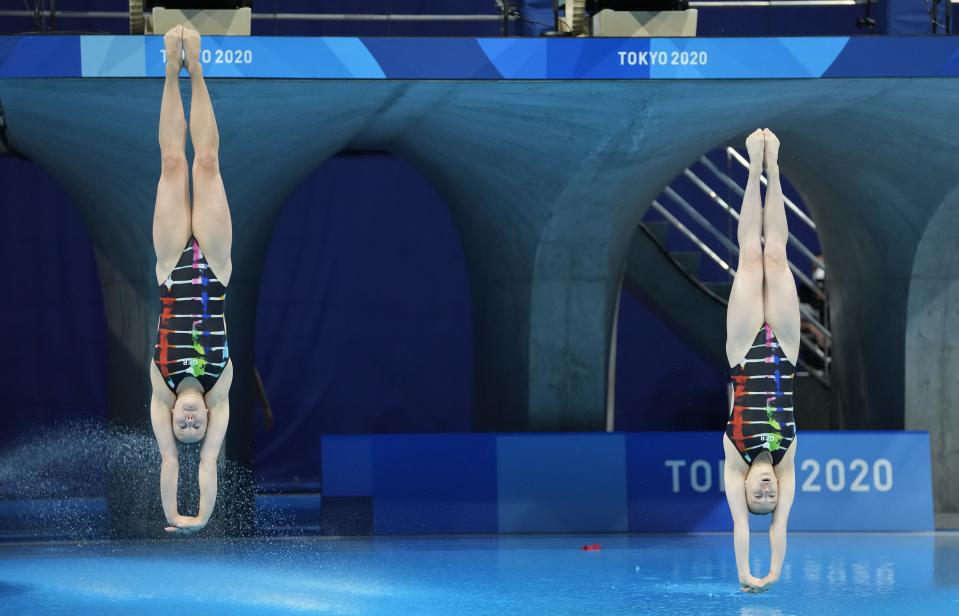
[762, 487]
[189, 412]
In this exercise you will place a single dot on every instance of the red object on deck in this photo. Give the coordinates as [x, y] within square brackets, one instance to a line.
[592, 547]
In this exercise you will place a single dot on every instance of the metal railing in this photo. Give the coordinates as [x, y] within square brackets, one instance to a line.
[280, 16]
[821, 331]
[695, 179]
[497, 16]
[692, 237]
[733, 248]
[792, 240]
[707, 4]
[762, 178]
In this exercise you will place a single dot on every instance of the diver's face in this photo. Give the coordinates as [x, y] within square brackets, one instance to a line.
[762, 488]
[189, 417]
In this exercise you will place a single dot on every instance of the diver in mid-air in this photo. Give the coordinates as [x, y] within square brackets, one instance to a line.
[762, 345]
[191, 372]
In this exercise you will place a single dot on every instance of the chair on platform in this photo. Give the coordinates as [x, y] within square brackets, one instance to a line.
[631, 18]
[229, 17]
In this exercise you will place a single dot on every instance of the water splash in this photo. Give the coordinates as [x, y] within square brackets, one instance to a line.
[87, 479]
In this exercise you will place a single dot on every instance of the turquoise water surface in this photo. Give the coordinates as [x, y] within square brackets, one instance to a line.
[462, 576]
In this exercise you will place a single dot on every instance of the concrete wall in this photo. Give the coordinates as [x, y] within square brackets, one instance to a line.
[932, 348]
[546, 182]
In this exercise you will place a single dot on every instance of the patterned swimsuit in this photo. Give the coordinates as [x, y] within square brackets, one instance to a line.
[762, 415]
[191, 334]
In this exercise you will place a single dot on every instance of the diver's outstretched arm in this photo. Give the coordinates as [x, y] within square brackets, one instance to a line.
[161, 402]
[215, 433]
[734, 479]
[786, 476]
[218, 401]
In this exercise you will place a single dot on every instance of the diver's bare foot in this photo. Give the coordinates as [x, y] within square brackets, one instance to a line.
[755, 143]
[772, 150]
[172, 44]
[191, 48]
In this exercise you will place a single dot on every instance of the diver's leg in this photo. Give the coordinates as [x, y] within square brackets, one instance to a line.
[744, 314]
[171, 214]
[781, 300]
[212, 225]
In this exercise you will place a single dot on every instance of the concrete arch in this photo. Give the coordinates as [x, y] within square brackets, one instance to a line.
[932, 347]
[558, 195]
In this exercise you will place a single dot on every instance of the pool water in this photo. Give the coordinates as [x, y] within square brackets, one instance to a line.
[461, 576]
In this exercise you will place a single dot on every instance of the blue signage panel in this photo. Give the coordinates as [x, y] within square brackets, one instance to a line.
[347, 465]
[490, 58]
[641, 482]
[675, 481]
[863, 481]
[434, 483]
[561, 483]
[40, 56]
[848, 481]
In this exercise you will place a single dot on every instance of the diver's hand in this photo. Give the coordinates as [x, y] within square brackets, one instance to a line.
[186, 525]
[751, 584]
[769, 580]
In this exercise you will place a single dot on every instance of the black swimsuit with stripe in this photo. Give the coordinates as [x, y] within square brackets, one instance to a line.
[762, 417]
[191, 334]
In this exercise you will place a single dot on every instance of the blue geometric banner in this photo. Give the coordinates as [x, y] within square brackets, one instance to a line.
[490, 58]
[615, 482]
